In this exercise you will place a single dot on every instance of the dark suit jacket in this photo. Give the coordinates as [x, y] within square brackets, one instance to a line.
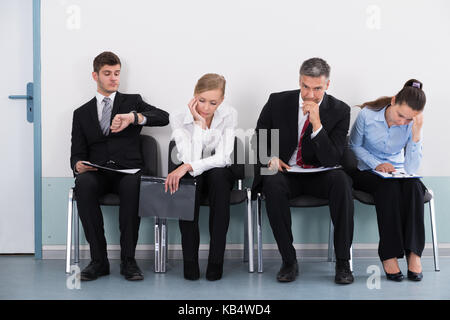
[89, 143]
[326, 149]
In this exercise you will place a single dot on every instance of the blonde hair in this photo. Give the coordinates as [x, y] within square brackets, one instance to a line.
[210, 81]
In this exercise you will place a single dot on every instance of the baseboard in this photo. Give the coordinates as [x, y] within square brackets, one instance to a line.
[235, 251]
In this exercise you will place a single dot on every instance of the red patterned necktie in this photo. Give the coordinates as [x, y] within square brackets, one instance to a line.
[299, 152]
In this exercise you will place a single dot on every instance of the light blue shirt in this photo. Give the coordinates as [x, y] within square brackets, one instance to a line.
[373, 142]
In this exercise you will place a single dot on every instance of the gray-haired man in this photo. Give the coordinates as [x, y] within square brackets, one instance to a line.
[312, 133]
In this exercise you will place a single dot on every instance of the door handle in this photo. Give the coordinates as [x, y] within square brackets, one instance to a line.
[29, 98]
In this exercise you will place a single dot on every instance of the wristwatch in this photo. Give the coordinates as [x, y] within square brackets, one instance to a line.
[136, 118]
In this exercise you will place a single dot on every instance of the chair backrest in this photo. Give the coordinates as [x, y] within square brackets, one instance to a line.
[237, 169]
[149, 150]
[348, 160]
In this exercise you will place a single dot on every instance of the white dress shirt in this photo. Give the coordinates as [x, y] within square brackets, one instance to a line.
[301, 122]
[208, 148]
[100, 105]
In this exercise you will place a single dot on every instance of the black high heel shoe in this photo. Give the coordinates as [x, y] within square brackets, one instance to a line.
[397, 277]
[413, 276]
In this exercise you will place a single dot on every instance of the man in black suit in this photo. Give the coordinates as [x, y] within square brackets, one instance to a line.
[105, 131]
[312, 128]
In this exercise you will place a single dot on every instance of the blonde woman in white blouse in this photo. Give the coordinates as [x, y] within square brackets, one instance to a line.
[204, 136]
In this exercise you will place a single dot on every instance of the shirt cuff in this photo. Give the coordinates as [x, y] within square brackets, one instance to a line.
[415, 145]
[315, 133]
[143, 121]
[372, 163]
[196, 167]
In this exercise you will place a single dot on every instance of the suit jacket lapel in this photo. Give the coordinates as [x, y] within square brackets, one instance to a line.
[292, 115]
[94, 115]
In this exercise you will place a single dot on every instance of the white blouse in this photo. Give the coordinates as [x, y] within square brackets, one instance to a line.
[209, 148]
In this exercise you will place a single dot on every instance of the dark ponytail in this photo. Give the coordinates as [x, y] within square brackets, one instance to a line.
[411, 94]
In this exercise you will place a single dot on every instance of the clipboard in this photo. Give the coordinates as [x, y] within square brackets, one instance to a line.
[155, 202]
[397, 174]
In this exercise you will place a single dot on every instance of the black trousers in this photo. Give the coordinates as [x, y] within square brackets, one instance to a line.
[89, 187]
[216, 184]
[400, 209]
[333, 185]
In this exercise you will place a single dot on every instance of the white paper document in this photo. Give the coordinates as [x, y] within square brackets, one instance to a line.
[126, 171]
[297, 169]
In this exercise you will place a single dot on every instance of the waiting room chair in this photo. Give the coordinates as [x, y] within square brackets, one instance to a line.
[303, 201]
[150, 157]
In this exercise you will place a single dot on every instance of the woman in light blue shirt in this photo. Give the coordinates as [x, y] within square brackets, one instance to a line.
[387, 137]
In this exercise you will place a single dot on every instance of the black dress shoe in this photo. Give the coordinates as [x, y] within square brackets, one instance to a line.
[414, 276]
[288, 272]
[214, 271]
[130, 270]
[95, 269]
[343, 273]
[191, 270]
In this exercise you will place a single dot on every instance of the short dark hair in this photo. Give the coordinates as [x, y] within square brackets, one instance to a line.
[105, 58]
[315, 67]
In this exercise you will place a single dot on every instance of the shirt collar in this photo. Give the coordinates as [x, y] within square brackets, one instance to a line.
[379, 116]
[100, 97]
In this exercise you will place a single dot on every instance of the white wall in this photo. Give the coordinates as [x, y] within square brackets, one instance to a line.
[373, 47]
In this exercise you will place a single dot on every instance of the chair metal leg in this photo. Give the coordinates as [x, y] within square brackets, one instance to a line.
[69, 230]
[167, 243]
[163, 249]
[331, 253]
[76, 234]
[433, 233]
[246, 245]
[250, 243]
[331, 242]
[157, 246]
[259, 232]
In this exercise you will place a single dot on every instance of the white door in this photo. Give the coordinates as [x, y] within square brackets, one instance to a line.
[16, 133]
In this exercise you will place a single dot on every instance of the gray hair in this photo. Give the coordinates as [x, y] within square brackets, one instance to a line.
[315, 67]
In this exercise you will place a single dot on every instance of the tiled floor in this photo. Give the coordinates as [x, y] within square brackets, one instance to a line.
[23, 277]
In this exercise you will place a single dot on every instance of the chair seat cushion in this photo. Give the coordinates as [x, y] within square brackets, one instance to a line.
[367, 198]
[236, 197]
[305, 201]
[363, 197]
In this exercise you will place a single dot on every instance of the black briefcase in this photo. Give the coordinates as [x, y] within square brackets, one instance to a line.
[155, 202]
